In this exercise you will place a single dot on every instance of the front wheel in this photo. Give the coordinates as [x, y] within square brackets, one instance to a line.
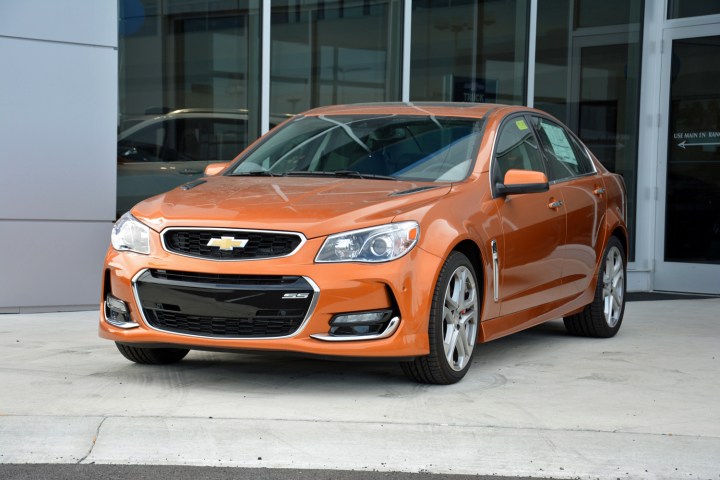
[152, 356]
[602, 318]
[453, 325]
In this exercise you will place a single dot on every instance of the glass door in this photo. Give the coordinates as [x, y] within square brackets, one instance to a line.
[604, 90]
[688, 223]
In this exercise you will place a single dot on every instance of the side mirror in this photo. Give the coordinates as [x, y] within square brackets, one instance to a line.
[215, 168]
[522, 181]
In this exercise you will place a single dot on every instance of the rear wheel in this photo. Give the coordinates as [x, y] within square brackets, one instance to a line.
[602, 318]
[152, 356]
[453, 326]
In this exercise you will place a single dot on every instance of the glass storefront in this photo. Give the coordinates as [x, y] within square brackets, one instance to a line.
[190, 77]
[334, 52]
[190, 80]
[692, 8]
[189, 89]
[191, 54]
[469, 51]
[692, 213]
[587, 74]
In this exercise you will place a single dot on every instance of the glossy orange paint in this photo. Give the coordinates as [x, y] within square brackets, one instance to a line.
[548, 256]
[524, 177]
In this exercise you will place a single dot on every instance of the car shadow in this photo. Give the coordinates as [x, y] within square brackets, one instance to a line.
[286, 372]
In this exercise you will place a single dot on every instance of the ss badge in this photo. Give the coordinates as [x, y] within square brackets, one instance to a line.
[292, 296]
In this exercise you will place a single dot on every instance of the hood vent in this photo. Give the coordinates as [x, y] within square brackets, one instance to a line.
[413, 190]
[193, 184]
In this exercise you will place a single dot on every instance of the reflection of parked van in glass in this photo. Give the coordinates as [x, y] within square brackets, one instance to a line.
[163, 152]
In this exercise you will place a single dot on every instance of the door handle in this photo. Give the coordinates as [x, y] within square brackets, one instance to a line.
[599, 191]
[556, 204]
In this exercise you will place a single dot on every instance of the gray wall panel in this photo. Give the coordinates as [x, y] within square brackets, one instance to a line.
[92, 22]
[46, 264]
[58, 116]
[58, 128]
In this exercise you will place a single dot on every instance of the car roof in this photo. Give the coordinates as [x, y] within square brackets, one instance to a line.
[471, 110]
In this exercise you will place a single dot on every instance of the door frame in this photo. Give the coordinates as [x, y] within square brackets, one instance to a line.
[676, 276]
[590, 40]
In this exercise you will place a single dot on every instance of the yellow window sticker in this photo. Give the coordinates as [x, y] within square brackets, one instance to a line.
[521, 125]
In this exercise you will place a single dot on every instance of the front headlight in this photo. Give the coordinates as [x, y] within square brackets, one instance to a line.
[375, 244]
[130, 235]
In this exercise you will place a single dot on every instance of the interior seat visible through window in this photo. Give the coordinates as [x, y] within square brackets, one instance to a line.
[517, 149]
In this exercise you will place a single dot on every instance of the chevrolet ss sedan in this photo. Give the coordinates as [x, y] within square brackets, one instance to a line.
[411, 231]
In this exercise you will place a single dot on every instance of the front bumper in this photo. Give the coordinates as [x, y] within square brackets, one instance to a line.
[337, 288]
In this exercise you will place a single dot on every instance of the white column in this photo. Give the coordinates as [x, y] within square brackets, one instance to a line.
[265, 69]
[640, 271]
[407, 37]
[532, 37]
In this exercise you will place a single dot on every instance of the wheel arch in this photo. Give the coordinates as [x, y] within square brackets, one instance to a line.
[622, 235]
[471, 250]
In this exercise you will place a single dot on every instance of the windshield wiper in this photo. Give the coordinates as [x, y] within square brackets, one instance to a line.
[256, 173]
[356, 174]
[339, 173]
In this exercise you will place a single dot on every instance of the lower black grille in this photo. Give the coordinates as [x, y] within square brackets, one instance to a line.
[224, 306]
[269, 324]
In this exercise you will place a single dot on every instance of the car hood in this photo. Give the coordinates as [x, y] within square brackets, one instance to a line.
[314, 206]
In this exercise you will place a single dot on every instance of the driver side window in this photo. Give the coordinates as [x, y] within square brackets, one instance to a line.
[516, 149]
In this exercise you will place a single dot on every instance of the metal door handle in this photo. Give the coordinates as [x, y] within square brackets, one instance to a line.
[555, 204]
[599, 191]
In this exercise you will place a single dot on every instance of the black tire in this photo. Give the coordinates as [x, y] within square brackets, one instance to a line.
[594, 320]
[152, 356]
[437, 368]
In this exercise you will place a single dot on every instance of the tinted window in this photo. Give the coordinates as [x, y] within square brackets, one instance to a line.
[143, 145]
[516, 149]
[329, 52]
[581, 153]
[413, 148]
[203, 139]
[469, 51]
[564, 160]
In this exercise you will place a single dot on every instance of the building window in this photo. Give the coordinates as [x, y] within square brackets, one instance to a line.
[189, 89]
[334, 52]
[469, 51]
[587, 74]
[692, 8]
[592, 13]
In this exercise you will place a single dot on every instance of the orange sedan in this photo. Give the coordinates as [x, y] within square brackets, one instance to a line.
[405, 231]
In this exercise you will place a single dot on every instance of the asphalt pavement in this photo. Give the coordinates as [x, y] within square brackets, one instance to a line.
[536, 404]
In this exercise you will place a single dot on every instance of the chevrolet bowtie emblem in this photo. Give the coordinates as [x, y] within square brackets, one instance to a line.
[227, 243]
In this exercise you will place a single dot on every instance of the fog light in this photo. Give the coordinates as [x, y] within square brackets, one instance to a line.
[360, 323]
[116, 312]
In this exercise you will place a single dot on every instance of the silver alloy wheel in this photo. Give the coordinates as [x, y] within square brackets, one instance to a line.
[460, 318]
[613, 286]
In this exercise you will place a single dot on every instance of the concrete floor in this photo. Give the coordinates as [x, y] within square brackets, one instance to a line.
[645, 404]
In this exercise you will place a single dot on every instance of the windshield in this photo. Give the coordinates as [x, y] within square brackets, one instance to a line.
[423, 148]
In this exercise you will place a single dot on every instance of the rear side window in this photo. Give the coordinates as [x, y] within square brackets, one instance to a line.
[566, 159]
